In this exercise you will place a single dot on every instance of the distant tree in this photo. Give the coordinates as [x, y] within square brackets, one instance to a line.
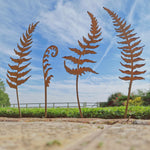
[4, 99]
[146, 98]
[2, 85]
[137, 101]
[113, 99]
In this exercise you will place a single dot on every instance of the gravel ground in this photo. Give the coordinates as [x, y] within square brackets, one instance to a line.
[74, 134]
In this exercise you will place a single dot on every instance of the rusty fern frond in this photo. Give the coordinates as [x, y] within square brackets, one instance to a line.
[86, 48]
[46, 69]
[15, 77]
[130, 51]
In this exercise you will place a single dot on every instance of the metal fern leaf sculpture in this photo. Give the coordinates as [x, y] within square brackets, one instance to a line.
[130, 51]
[86, 48]
[15, 77]
[46, 69]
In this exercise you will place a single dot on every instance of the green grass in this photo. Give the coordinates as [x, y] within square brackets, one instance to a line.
[100, 144]
[137, 112]
[52, 143]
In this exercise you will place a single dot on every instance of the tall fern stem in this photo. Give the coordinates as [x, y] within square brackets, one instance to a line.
[86, 48]
[130, 52]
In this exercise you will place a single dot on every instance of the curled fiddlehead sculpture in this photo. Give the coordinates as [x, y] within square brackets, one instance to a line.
[46, 69]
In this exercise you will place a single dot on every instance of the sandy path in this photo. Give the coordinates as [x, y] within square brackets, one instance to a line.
[73, 134]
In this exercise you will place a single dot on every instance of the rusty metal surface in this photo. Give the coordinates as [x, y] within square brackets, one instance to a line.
[131, 51]
[15, 77]
[86, 48]
[17, 70]
[46, 69]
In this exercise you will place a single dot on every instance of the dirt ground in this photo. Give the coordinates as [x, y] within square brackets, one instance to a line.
[74, 134]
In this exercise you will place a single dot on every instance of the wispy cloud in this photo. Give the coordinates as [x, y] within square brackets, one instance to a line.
[105, 54]
[64, 23]
[98, 90]
[131, 13]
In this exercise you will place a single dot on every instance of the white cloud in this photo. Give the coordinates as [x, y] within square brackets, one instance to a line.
[131, 13]
[64, 23]
[68, 22]
[104, 55]
[34, 68]
[3, 71]
[96, 89]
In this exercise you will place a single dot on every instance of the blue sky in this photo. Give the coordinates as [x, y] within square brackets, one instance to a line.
[63, 23]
